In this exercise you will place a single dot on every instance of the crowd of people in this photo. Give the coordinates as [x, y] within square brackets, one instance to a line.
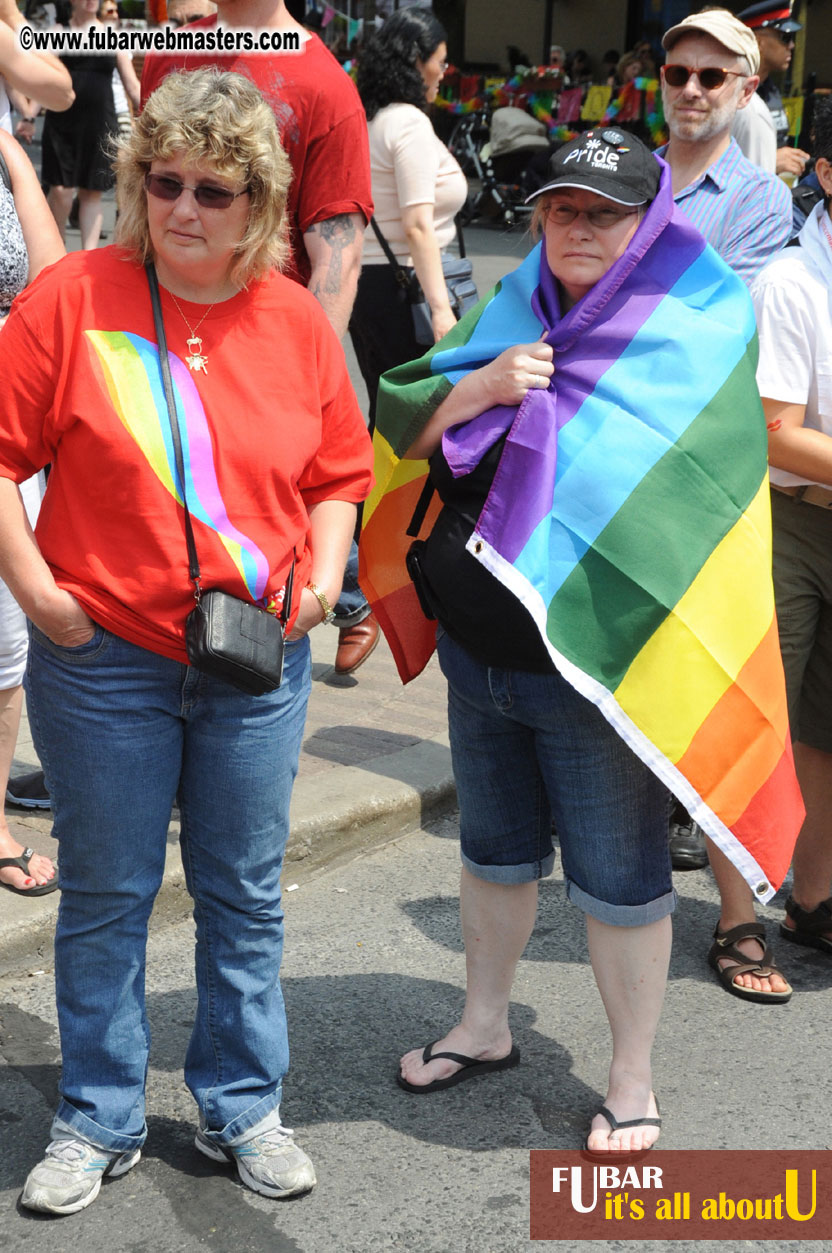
[597, 667]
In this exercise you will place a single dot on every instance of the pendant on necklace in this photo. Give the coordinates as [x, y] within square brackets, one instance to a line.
[195, 360]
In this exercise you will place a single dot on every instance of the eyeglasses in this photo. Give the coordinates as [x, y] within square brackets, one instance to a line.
[709, 76]
[163, 187]
[599, 219]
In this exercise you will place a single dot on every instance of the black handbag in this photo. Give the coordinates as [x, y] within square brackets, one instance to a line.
[228, 638]
[459, 280]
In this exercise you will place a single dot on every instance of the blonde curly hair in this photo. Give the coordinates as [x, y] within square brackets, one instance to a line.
[220, 120]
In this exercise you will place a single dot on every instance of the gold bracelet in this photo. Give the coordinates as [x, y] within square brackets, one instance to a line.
[329, 612]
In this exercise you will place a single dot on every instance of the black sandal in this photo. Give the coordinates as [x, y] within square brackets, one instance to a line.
[810, 925]
[724, 945]
[623, 1156]
[22, 863]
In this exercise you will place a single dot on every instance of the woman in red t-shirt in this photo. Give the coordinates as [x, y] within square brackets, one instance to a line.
[274, 459]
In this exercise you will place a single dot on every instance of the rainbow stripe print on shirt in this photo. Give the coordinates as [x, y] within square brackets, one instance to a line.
[630, 516]
[131, 371]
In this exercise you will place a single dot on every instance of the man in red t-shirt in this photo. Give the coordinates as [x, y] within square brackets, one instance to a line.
[324, 131]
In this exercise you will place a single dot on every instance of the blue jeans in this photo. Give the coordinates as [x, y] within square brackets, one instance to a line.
[527, 747]
[352, 606]
[122, 732]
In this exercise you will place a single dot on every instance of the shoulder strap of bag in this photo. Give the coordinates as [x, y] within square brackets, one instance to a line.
[5, 176]
[460, 238]
[401, 273]
[193, 561]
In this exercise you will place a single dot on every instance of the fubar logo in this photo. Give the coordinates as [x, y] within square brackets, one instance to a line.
[683, 1195]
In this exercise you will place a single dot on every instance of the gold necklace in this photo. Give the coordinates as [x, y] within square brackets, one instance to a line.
[196, 359]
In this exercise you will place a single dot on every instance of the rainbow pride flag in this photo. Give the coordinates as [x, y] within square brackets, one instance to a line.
[629, 514]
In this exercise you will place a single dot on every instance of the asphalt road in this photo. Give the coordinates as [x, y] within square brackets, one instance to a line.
[373, 966]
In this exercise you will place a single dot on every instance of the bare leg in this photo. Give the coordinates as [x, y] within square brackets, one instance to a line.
[60, 202]
[813, 854]
[737, 907]
[41, 869]
[630, 966]
[90, 217]
[497, 920]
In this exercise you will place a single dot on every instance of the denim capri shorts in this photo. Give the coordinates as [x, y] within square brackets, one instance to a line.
[528, 748]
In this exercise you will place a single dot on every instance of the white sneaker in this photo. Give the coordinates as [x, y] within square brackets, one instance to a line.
[69, 1177]
[271, 1163]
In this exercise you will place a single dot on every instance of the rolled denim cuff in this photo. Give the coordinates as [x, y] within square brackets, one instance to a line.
[528, 872]
[69, 1121]
[622, 915]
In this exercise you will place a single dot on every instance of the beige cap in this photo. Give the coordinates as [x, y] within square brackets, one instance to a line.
[722, 26]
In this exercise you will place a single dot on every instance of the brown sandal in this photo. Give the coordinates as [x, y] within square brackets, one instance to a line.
[724, 945]
[810, 925]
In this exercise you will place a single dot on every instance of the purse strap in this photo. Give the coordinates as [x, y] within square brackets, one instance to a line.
[402, 276]
[460, 238]
[391, 256]
[167, 382]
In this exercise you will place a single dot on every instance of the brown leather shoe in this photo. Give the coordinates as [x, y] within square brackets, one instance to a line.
[355, 643]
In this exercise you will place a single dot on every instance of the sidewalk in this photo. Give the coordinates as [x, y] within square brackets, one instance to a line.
[374, 761]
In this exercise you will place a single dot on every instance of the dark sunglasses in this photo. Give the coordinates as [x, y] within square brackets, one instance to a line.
[163, 187]
[709, 77]
[786, 37]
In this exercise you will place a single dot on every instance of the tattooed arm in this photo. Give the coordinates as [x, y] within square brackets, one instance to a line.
[334, 249]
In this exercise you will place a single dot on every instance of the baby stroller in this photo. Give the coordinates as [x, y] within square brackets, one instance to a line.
[498, 152]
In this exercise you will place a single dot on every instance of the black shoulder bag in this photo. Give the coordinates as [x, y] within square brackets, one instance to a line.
[228, 638]
[459, 280]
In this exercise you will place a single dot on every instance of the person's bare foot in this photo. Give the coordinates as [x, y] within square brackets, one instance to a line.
[41, 869]
[754, 950]
[458, 1040]
[625, 1101]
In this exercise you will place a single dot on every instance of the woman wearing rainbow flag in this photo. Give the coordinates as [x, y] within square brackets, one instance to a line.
[600, 572]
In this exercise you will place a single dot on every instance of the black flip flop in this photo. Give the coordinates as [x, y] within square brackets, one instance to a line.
[22, 863]
[470, 1069]
[620, 1156]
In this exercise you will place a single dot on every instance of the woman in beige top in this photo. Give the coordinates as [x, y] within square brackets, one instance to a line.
[418, 188]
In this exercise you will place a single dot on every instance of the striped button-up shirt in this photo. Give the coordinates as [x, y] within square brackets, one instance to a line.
[744, 212]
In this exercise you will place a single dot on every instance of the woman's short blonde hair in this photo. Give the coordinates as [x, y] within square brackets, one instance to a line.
[541, 208]
[217, 119]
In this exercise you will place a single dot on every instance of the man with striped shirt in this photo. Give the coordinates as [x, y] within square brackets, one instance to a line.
[745, 213]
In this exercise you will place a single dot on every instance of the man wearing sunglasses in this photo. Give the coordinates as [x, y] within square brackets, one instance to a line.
[774, 29]
[710, 73]
[745, 213]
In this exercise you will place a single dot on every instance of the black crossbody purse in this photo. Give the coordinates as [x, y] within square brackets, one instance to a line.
[228, 638]
[459, 281]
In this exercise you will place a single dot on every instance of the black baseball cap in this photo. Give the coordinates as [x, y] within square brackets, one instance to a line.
[608, 161]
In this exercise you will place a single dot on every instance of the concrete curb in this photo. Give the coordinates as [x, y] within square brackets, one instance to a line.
[334, 816]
